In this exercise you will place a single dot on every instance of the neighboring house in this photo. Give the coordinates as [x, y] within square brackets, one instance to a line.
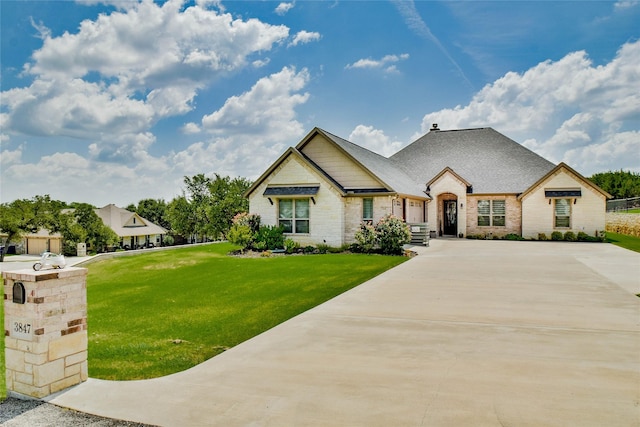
[134, 231]
[461, 182]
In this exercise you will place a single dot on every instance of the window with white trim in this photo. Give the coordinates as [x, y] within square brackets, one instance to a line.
[367, 209]
[293, 215]
[562, 213]
[491, 213]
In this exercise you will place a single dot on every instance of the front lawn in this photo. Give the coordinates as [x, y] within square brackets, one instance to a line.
[163, 312]
[628, 242]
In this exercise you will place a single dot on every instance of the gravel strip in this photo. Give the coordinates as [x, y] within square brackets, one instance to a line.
[34, 413]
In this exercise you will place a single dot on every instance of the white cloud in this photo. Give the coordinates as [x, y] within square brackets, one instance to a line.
[267, 110]
[112, 77]
[562, 109]
[379, 63]
[72, 177]
[73, 108]
[374, 140]
[303, 37]
[283, 8]
[191, 128]
[10, 157]
[625, 4]
[259, 63]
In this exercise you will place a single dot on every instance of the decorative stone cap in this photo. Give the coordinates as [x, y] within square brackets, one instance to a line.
[38, 276]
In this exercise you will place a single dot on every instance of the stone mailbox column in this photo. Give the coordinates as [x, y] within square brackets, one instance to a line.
[45, 328]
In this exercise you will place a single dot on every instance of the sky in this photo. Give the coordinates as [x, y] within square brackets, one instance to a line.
[117, 101]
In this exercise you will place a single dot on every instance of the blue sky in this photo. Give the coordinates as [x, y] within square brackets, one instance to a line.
[116, 101]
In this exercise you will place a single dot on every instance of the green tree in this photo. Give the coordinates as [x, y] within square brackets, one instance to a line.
[97, 234]
[11, 226]
[181, 216]
[207, 206]
[620, 184]
[25, 216]
[226, 201]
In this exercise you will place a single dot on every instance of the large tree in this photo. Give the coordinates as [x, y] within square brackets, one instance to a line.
[207, 206]
[26, 216]
[227, 201]
[620, 184]
[181, 216]
[84, 225]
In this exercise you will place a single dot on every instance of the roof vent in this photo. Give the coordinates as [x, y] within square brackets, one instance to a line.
[434, 126]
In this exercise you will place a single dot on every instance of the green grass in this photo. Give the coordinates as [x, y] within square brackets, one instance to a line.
[631, 211]
[163, 312]
[628, 242]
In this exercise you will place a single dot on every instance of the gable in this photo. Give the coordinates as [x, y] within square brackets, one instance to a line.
[449, 176]
[132, 220]
[563, 181]
[292, 177]
[338, 165]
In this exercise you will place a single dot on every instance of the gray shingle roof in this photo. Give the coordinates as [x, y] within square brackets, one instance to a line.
[396, 178]
[488, 160]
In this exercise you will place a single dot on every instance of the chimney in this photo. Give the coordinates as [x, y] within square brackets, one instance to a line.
[434, 127]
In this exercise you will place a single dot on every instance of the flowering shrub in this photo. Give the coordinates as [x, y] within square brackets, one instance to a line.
[366, 238]
[388, 236]
[392, 233]
[250, 220]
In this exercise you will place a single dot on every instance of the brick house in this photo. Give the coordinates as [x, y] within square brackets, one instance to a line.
[460, 182]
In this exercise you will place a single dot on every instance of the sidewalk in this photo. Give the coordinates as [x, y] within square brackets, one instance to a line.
[482, 333]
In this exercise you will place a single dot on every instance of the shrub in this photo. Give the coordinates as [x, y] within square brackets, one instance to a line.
[323, 248]
[250, 220]
[513, 236]
[240, 235]
[476, 236]
[570, 236]
[393, 233]
[271, 235]
[344, 248]
[542, 237]
[584, 237]
[290, 245]
[366, 238]
[556, 235]
[168, 240]
[309, 249]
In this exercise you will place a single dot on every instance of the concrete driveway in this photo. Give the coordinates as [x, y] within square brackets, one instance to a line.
[468, 333]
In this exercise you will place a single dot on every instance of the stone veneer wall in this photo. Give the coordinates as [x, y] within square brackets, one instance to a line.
[513, 216]
[52, 354]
